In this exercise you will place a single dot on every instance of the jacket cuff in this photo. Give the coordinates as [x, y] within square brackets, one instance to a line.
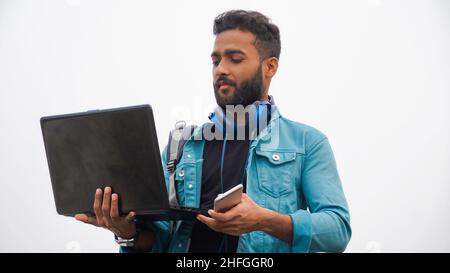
[301, 231]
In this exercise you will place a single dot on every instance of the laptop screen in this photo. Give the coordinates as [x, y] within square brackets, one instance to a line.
[116, 147]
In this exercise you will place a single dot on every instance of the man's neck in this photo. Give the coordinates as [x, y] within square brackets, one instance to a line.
[265, 98]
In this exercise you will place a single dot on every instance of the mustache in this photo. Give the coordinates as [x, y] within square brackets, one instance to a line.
[224, 80]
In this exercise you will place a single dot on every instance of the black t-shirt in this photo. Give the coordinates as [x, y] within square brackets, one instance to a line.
[204, 239]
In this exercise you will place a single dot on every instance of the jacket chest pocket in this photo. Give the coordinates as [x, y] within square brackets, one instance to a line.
[276, 171]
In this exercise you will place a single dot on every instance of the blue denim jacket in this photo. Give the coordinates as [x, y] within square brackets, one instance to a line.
[290, 169]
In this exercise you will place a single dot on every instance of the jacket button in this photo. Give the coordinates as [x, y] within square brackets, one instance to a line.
[275, 157]
[190, 186]
[181, 173]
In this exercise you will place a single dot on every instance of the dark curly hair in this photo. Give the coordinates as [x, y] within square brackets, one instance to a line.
[267, 40]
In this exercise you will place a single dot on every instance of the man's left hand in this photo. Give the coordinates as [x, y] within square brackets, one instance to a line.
[244, 217]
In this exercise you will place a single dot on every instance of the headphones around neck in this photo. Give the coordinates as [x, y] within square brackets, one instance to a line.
[263, 110]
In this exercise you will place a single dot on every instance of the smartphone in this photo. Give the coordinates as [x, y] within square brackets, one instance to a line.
[227, 200]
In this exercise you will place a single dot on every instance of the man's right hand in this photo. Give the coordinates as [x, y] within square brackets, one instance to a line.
[106, 208]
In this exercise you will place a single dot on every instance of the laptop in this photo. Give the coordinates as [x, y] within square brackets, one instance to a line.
[114, 147]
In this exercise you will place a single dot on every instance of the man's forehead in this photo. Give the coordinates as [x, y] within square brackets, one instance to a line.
[234, 39]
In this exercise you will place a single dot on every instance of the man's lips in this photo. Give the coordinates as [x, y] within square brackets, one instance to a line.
[223, 86]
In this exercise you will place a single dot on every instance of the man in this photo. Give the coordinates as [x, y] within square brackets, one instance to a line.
[294, 200]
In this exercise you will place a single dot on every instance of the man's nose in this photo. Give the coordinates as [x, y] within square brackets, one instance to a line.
[221, 70]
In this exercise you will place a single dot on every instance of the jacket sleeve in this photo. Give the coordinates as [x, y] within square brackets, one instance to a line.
[161, 229]
[325, 226]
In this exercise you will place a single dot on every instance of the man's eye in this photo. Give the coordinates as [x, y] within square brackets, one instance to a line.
[215, 62]
[236, 61]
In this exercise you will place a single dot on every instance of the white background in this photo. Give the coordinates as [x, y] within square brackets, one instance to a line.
[372, 75]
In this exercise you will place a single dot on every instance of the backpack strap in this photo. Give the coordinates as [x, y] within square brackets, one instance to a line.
[177, 139]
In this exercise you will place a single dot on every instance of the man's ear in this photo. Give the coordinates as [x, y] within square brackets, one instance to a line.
[270, 67]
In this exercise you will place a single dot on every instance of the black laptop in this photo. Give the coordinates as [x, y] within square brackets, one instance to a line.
[114, 147]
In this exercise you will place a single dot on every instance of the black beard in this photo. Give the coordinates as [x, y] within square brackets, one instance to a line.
[245, 94]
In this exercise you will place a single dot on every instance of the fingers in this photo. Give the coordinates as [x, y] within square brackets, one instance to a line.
[207, 221]
[86, 219]
[224, 217]
[247, 199]
[218, 216]
[213, 224]
[115, 217]
[131, 216]
[106, 207]
[227, 228]
[98, 207]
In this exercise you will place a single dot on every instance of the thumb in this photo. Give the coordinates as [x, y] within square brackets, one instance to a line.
[246, 198]
[81, 217]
